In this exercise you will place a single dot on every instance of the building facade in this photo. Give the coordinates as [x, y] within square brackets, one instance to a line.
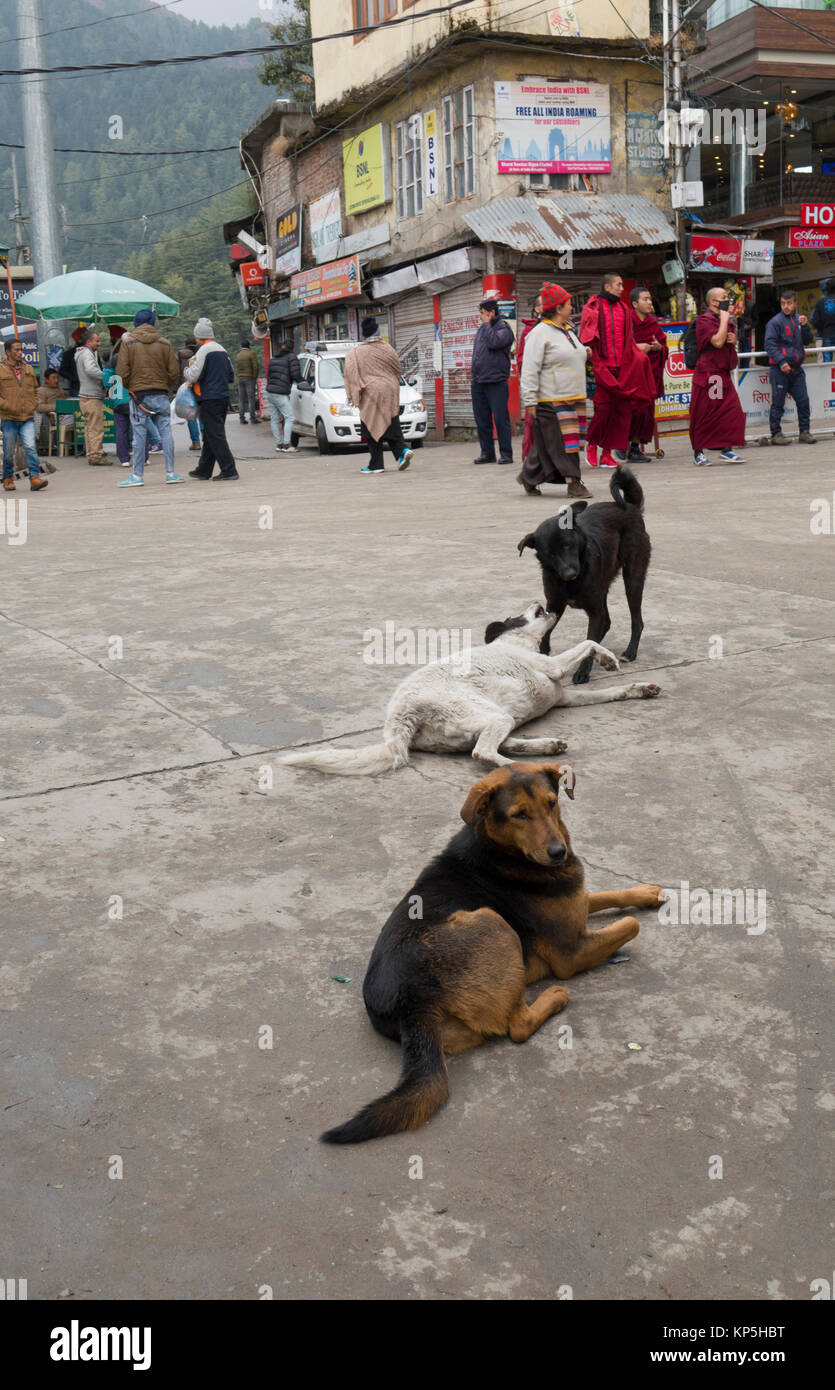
[484, 151]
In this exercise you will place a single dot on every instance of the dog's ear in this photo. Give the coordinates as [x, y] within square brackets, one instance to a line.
[529, 542]
[494, 630]
[479, 798]
[561, 775]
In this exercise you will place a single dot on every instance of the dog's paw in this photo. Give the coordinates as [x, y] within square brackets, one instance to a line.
[555, 745]
[608, 660]
[558, 996]
[648, 895]
[628, 655]
[649, 692]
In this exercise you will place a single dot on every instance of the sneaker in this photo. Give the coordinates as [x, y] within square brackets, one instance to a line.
[406, 458]
[591, 455]
[637, 455]
[36, 483]
[702, 460]
[226, 477]
[728, 456]
[155, 449]
[126, 463]
[368, 469]
[806, 438]
[279, 448]
[201, 477]
[289, 449]
[576, 488]
[174, 478]
[779, 438]
[132, 480]
[619, 455]
[607, 461]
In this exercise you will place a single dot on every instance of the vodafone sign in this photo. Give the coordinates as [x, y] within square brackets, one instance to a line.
[818, 215]
[812, 238]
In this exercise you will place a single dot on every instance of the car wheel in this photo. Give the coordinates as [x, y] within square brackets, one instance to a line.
[325, 446]
[294, 440]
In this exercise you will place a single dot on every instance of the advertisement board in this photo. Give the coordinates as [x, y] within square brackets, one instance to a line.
[430, 154]
[817, 215]
[366, 168]
[754, 387]
[811, 238]
[324, 283]
[325, 223]
[678, 378]
[545, 127]
[748, 256]
[288, 240]
[251, 273]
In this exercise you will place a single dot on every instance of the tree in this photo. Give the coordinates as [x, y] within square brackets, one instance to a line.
[290, 70]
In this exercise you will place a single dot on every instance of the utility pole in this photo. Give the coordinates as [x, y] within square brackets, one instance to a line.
[17, 216]
[678, 144]
[45, 235]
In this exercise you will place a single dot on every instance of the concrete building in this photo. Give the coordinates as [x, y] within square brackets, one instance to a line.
[482, 150]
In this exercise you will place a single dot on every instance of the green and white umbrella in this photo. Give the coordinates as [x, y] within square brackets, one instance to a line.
[93, 294]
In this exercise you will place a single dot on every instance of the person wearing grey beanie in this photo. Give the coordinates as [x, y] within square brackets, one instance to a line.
[210, 372]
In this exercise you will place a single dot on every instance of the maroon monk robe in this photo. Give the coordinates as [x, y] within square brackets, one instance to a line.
[617, 388]
[648, 330]
[717, 420]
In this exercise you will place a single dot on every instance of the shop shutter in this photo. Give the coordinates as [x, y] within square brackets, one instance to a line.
[459, 325]
[414, 338]
[579, 285]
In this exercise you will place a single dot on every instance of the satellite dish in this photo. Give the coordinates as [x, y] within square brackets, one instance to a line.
[260, 326]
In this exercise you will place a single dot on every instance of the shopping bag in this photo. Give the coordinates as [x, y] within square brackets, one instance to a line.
[185, 402]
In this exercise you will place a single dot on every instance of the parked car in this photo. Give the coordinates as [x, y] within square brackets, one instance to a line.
[320, 406]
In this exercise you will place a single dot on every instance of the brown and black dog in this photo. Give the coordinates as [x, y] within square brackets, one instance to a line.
[503, 906]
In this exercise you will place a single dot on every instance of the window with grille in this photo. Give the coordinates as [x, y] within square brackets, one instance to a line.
[459, 145]
[408, 160]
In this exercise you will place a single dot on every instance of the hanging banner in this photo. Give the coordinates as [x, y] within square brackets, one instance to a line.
[288, 240]
[547, 127]
[430, 155]
[674, 404]
[325, 224]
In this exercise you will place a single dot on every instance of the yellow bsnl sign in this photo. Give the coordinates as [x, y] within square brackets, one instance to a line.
[366, 166]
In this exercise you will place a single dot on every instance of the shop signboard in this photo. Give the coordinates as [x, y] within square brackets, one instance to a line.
[288, 240]
[325, 224]
[817, 215]
[366, 168]
[756, 257]
[754, 387]
[251, 273]
[711, 253]
[545, 127]
[674, 404]
[325, 283]
[430, 153]
[811, 238]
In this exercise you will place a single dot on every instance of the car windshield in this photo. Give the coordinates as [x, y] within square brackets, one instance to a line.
[332, 373]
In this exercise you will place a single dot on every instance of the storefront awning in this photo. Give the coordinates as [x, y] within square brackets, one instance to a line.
[571, 221]
[433, 275]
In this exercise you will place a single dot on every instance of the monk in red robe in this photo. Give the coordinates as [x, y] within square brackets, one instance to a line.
[651, 339]
[717, 420]
[621, 373]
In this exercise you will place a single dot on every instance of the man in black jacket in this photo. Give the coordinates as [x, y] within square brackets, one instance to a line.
[823, 319]
[283, 370]
[489, 371]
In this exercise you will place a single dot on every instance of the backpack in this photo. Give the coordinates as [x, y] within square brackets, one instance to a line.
[690, 346]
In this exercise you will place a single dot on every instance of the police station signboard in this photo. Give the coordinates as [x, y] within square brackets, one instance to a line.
[288, 240]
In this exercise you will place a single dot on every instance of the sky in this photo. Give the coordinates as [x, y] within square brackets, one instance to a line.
[225, 11]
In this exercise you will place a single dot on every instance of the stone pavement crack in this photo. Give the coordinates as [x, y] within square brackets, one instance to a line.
[146, 694]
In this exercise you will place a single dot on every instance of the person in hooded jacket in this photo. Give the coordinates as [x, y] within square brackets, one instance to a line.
[283, 371]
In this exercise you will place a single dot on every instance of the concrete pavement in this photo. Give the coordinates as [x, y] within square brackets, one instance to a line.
[174, 925]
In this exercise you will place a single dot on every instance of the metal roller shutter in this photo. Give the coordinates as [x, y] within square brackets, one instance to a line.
[414, 338]
[530, 282]
[459, 325]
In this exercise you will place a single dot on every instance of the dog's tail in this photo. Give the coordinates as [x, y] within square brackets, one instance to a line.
[624, 487]
[392, 753]
[423, 1089]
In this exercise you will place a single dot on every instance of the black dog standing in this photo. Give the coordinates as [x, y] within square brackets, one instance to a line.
[580, 560]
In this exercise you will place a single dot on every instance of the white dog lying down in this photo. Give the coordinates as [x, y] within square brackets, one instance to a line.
[474, 701]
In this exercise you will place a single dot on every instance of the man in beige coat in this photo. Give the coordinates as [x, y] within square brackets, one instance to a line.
[372, 382]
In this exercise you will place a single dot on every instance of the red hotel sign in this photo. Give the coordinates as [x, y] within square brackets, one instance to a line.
[817, 214]
[812, 238]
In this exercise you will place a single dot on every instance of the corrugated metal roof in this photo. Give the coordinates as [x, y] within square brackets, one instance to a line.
[571, 221]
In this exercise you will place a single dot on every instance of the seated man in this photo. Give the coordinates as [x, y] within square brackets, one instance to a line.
[48, 393]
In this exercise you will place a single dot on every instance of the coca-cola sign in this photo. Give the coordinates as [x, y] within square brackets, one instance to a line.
[812, 238]
[708, 253]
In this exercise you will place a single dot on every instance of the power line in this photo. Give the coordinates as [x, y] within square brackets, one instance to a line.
[126, 154]
[88, 24]
[231, 52]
